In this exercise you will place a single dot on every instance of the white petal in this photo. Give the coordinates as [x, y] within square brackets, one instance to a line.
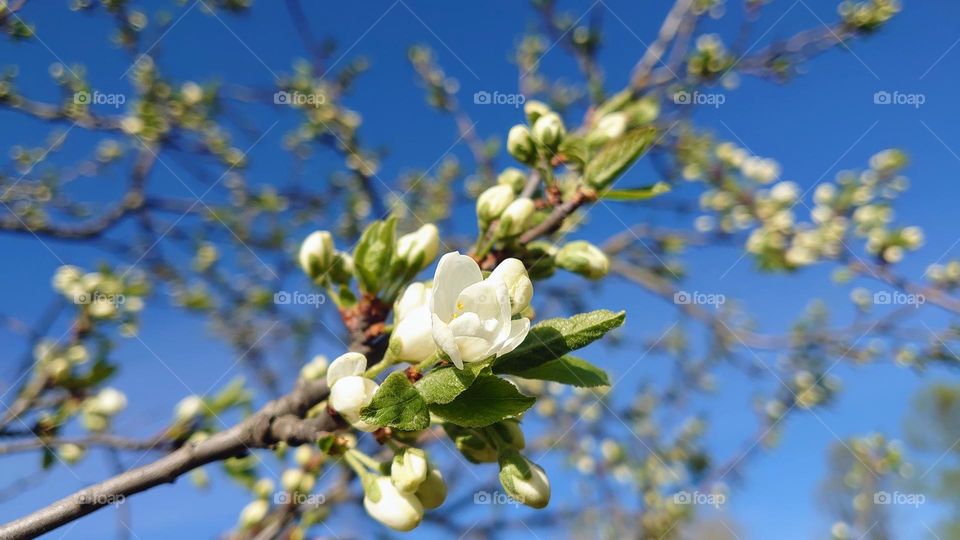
[415, 335]
[474, 349]
[455, 273]
[445, 340]
[518, 332]
[351, 363]
[350, 394]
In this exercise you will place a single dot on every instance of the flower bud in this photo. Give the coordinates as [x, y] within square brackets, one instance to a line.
[610, 126]
[520, 144]
[351, 363]
[514, 275]
[583, 258]
[253, 513]
[420, 247]
[535, 109]
[433, 491]
[291, 479]
[303, 456]
[524, 480]
[509, 432]
[385, 503]
[412, 338]
[540, 259]
[515, 217]
[189, 408]
[549, 130]
[416, 294]
[475, 448]
[492, 202]
[263, 488]
[512, 177]
[409, 469]
[108, 402]
[316, 254]
[341, 270]
[350, 394]
[315, 369]
[70, 453]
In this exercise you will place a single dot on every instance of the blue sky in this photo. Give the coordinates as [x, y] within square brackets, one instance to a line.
[822, 122]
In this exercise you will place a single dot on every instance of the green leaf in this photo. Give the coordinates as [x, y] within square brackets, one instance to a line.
[636, 194]
[616, 156]
[487, 401]
[397, 404]
[373, 254]
[567, 370]
[444, 384]
[554, 338]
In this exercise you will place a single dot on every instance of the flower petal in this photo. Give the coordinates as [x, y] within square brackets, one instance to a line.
[518, 332]
[444, 337]
[455, 273]
[345, 365]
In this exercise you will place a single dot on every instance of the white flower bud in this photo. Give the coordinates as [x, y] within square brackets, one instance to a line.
[534, 110]
[433, 491]
[409, 469]
[189, 408]
[253, 513]
[515, 217]
[512, 177]
[509, 432]
[611, 126]
[524, 480]
[385, 503]
[70, 453]
[520, 144]
[583, 258]
[316, 254]
[351, 363]
[315, 369]
[514, 275]
[108, 402]
[350, 394]
[263, 488]
[492, 202]
[412, 338]
[785, 192]
[303, 456]
[416, 295]
[549, 130]
[419, 247]
[291, 479]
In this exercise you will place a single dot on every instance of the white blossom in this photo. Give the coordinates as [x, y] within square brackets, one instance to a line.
[385, 503]
[472, 315]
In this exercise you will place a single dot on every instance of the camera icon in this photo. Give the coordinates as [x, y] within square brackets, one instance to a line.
[682, 298]
[881, 497]
[82, 298]
[81, 98]
[682, 97]
[882, 98]
[482, 497]
[281, 98]
[882, 298]
[482, 97]
[682, 497]
[282, 298]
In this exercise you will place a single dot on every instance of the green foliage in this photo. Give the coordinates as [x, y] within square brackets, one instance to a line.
[444, 384]
[553, 338]
[567, 370]
[615, 157]
[397, 404]
[373, 254]
[487, 401]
